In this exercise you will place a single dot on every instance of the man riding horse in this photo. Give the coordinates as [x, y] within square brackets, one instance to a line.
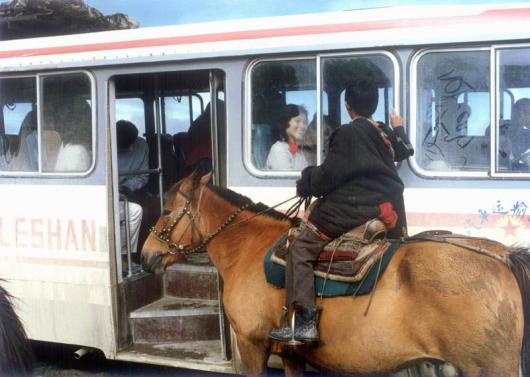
[357, 182]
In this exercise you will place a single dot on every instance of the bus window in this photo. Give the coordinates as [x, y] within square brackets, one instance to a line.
[66, 123]
[339, 72]
[181, 110]
[453, 111]
[513, 149]
[283, 92]
[133, 110]
[18, 126]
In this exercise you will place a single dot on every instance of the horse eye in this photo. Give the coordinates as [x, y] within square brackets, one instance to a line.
[166, 212]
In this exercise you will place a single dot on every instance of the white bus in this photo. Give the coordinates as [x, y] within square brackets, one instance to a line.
[212, 92]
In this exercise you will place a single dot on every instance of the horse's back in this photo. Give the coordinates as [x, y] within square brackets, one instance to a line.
[433, 302]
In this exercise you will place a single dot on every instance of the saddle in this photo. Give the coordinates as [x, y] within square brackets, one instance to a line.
[347, 258]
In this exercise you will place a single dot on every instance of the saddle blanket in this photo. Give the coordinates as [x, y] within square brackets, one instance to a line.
[324, 286]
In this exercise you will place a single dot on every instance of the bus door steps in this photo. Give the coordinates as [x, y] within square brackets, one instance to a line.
[202, 355]
[176, 319]
[192, 281]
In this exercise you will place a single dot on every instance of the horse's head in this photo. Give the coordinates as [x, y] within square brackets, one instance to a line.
[176, 231]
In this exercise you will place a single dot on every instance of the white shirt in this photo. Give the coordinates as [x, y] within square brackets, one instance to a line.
[73, 158]
[281, 158]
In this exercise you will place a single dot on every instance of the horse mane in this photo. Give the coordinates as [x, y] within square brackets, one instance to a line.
[239, 200]
[15, 352]
[233, 198]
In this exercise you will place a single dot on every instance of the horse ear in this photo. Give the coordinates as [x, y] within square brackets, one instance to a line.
[206, 178]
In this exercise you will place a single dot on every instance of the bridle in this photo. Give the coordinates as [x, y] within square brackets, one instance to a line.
[177, 247]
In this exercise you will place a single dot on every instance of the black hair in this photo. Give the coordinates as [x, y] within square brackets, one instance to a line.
[289, 112]
[126, 133]
[362, 96]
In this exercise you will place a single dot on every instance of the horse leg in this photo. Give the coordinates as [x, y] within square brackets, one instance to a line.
[254, 356]
[293, 365]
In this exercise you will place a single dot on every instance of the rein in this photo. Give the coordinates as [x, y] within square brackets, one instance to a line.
[177, 247]
[446, 239]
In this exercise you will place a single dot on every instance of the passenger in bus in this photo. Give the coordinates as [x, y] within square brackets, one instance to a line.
[4, 153]
[133, 156]
[310, 139]
[74, 128]
[357, 182]
[516, 141]
[289, 151]
[197, 143]
[24, 155]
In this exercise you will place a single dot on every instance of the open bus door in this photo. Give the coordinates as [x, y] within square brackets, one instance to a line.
[174, 318]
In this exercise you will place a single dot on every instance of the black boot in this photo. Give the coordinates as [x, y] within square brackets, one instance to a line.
[306, 323]
[284, 333]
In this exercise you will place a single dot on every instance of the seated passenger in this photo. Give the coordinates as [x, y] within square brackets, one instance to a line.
[24, 156]
[288, 152]
[310, 139]
[133, 156]
[198, 139]
[75, 134]
[516, 140]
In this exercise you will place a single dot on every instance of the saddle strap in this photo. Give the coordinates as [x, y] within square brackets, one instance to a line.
[445, 239]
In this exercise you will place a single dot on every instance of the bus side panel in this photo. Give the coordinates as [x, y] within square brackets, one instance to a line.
[55, 260]
[499, 214]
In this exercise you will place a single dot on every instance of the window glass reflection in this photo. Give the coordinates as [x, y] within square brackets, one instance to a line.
[513, 150]
[18, 126]
[283, 103]
[453, 112]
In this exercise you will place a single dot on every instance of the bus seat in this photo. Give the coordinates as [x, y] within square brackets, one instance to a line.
[26, 158]
[168, 161]
[180, 147]
[52, 142]
[262, 140]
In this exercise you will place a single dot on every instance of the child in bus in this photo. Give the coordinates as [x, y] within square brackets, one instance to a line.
[357, 181]
[289, 153]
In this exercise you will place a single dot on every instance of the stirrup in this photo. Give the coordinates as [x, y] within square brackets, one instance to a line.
[293, 342]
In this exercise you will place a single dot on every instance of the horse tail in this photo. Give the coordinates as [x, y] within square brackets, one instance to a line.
[15, 352]
[519, 262]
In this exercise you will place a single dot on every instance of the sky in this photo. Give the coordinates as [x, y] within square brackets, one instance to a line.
[169, 12]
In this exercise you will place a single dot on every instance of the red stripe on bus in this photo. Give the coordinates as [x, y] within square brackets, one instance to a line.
[270, 33]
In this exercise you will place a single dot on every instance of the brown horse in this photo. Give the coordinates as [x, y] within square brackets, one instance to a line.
[435, 301]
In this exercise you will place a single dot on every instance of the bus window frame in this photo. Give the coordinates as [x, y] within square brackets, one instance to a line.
[247, 96]
[495, 72]
[413, 125]
[247, 123]
[93, 104]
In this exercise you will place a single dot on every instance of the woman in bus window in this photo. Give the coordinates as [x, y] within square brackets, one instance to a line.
[289, 153]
